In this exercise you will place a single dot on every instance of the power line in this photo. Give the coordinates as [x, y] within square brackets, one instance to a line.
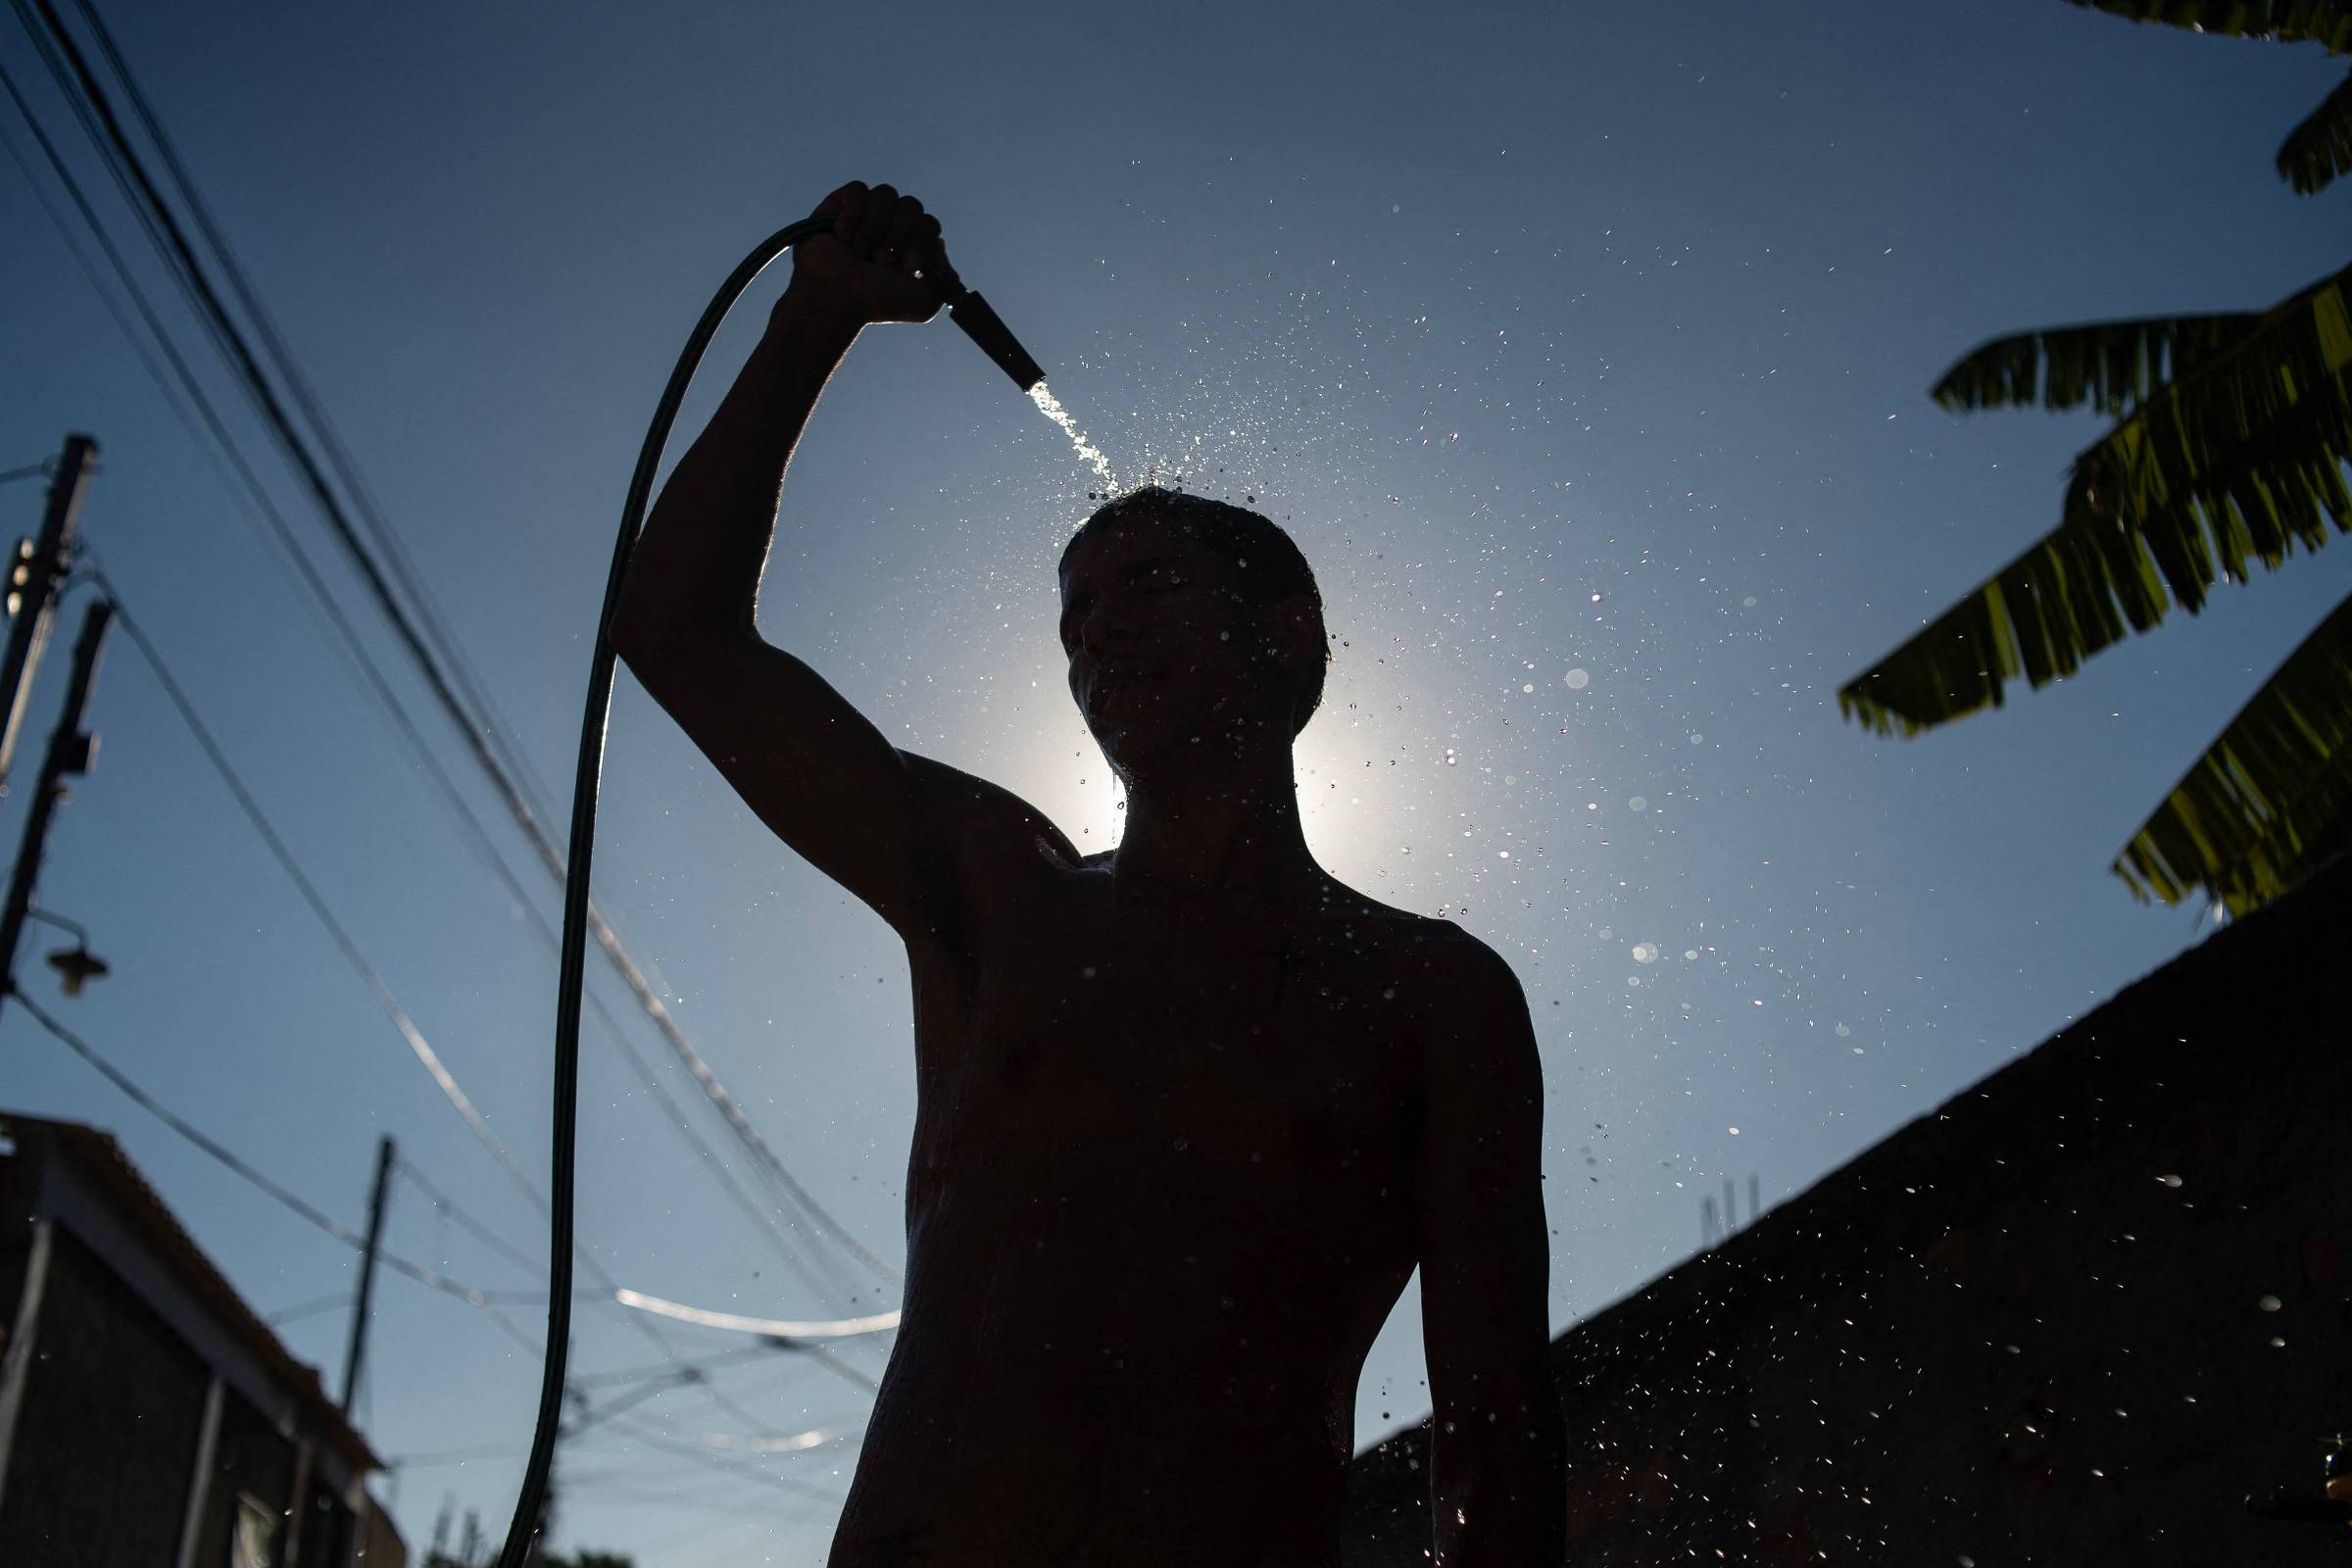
[320, 601]
[626, 1375]
[420, 1461]
[175, 243]
[309, 1308]
[309, 890]
[326, 916]
[284, 1196]
[289, 370]
[449, 1208]
[171, 242]
[636, 1430]
[253, 813]
[221, 451]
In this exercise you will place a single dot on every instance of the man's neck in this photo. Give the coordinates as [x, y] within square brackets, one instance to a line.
[1234, 839]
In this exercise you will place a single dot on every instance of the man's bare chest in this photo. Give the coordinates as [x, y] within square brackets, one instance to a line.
[1242, 1060]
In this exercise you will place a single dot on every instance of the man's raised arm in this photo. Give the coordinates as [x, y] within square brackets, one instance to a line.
[813, 769]
[1497, 1481]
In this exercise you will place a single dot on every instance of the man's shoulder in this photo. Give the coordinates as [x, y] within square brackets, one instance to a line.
[1468, 996]
[1436, 941]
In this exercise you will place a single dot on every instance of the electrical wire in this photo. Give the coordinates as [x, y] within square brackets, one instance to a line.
[619, 1376]
[420, 1461]
[309, 1308]
[338, 454]
[173, 241]
[284, 1196]
[320, 601]
[310, 896]
[637, 1432]
[449, 1208]
[192, 407]
[580, 917]
[608, 1288]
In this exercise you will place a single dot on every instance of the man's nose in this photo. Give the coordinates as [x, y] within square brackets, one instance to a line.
[1107, 628]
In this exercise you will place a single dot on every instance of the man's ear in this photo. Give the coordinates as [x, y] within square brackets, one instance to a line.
[1293, 621]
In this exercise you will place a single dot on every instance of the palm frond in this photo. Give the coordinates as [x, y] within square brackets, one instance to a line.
[2326, 22]
[2320, 148]
[2242, 460]
[2271, 800]
[2114, 366]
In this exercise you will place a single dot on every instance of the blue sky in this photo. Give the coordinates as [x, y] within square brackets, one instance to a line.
[1565, 339]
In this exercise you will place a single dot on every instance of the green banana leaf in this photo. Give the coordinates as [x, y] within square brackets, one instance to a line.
[2320, 148]
[2241, 460]
[2113, 366]
[2326, 22]
[2271, 800]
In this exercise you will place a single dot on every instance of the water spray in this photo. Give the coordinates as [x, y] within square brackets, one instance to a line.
[982, 326]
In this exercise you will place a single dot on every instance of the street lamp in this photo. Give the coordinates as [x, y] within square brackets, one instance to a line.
[76, 966]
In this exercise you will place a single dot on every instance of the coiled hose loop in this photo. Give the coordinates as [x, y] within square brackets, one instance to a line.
[571, 969]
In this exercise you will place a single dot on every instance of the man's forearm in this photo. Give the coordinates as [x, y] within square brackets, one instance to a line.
[698, 563]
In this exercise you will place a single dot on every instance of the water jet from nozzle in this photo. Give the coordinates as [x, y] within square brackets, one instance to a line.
[1050, 406]
[967, 310]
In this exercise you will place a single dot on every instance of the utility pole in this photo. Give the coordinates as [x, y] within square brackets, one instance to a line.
[359, 1311]
[35, 569]
[71, 750]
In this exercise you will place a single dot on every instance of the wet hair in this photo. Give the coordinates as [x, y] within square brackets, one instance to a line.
[1267, 562]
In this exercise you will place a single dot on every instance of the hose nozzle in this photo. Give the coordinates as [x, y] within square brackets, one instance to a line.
[986, 328]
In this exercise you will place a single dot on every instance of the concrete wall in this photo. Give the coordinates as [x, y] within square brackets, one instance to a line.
[2077, 1315]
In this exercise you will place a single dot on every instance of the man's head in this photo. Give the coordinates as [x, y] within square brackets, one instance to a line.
[1184, 616]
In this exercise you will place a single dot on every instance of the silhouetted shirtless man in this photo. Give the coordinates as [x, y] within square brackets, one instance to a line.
[1189, 1112]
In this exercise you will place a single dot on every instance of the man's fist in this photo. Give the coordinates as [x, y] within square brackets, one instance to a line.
[875, 265]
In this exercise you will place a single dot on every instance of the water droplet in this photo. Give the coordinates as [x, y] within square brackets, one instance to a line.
[1843, 1031]
[1639, 802]
[1749, 602]
[2170, 1181]
[2270, 1303]
[1576, 680]
[1645, 953]
[1529, 687]
[1689, 952]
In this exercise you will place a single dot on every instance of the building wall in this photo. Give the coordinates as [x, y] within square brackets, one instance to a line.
[120, 1336]
[110, 1412]
[2077, 1315]
[251, 1461]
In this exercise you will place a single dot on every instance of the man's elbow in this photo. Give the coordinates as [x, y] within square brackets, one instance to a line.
[639, 630]
[656, 644]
